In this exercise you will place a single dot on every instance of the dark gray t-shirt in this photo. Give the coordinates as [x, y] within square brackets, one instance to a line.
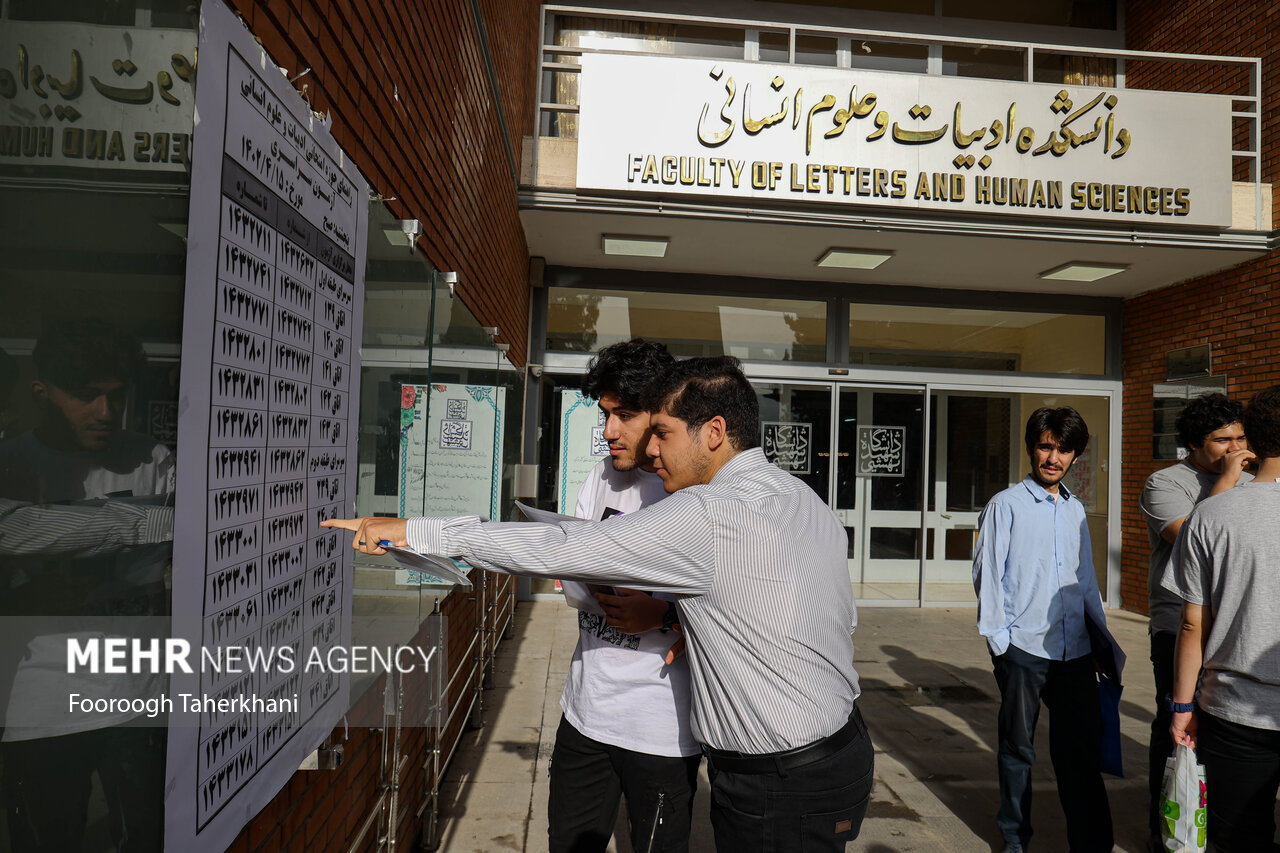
[1170, 494]
[1228, 559]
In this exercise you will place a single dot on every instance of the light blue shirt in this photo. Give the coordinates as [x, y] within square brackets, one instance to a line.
[1033, 573]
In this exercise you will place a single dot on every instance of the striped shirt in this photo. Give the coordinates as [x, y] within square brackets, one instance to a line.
[759, 563]
[51, 530]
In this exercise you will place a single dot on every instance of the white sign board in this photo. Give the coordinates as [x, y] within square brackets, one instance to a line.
[450, 453]
[582, 446]
[747, 129]
[788, 445]
[266, 427]
[882, 451]
[96, 96]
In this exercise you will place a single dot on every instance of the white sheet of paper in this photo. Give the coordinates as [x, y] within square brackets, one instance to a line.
[576, 594]
[430, 564]
[544, 516]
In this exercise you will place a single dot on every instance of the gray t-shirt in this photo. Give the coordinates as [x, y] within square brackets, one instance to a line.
[1170, 494]
[1227, 560]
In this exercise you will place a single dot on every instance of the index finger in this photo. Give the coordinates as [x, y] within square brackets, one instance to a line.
[343, 523]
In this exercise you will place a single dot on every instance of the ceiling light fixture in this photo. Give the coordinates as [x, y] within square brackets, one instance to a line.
[635, 246]
[853, 259]
[1076, 271]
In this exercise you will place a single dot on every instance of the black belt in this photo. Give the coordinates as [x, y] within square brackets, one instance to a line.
[790, 759]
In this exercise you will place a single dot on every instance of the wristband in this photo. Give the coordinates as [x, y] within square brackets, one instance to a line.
[670, 618]
[1179, 707]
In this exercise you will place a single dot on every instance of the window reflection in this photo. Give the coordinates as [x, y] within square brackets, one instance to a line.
[86, 530]
[688, 323]
[1093, 14]
[92, 266]
[977, 339]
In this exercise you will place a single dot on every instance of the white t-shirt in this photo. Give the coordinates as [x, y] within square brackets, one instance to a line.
[620, 690]
[133, 466]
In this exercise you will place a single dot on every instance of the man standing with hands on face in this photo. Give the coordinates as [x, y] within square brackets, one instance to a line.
[625, 729]
[1210, 427]
[1036, 587]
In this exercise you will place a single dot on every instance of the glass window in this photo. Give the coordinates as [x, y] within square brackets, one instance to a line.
[1075, 70]
[397, 300]
[411, 322]
[795, 430]
[1092, 14]
[904, 7]
[880, 466]
[979, 433]
[636, 36]
[580, 320]
[776, 47]
[1168, 399]
[889, 56]
[977, 450]
[815, 50]
[649, 36]
[977, 339]
[404, 298]
[92, 265]
[981, 61]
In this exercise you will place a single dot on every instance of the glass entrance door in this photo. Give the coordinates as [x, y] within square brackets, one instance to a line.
[909, 505]
[876, 486]
[977, 450]
[879, 490]
[795, 430]
[974, 444]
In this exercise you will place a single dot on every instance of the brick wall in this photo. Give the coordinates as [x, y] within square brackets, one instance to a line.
[1233, 311]
[411, 101]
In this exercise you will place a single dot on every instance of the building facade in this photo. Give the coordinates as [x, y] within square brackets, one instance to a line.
[914, 222]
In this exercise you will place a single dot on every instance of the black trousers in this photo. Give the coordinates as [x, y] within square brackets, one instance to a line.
[1161, 746]
[588, 778]
[1242, 776]
[47, 783]
[817, 807]
[1069, 689]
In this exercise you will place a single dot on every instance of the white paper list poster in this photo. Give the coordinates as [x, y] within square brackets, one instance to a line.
[267, 426]
[451, 438]
[582, 445]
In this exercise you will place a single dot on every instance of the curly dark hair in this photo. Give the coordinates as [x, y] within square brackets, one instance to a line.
[625, 369]
[1064, 423]
[1262, 422]
[1203, 415]
[75, 352]
[698, 389]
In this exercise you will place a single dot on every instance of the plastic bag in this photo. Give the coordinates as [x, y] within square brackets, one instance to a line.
[1182, 801]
